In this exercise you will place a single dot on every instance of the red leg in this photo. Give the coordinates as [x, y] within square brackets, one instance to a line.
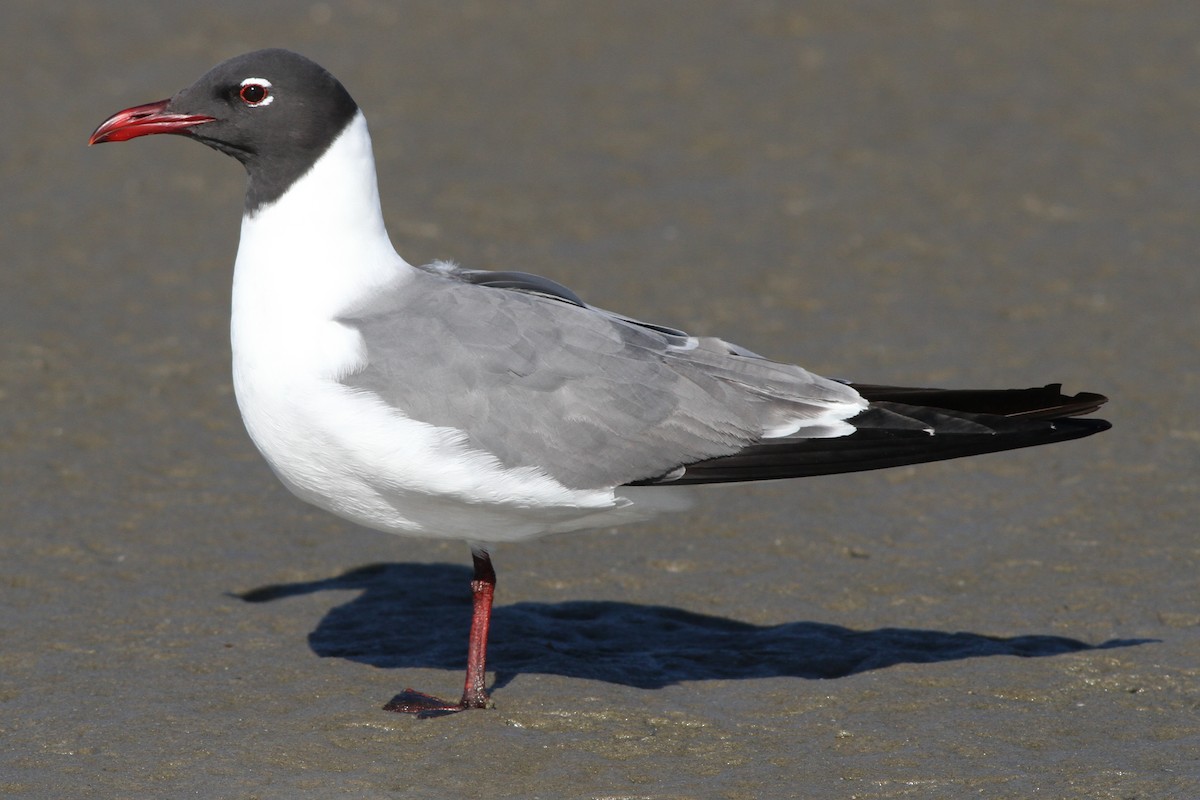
[483, 587]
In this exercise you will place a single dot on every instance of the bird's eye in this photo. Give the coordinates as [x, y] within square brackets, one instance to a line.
[255, 92]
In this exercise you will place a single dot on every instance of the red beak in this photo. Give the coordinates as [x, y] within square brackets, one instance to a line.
[143, 121]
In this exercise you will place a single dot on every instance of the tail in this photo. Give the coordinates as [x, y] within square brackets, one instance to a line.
[911, 426]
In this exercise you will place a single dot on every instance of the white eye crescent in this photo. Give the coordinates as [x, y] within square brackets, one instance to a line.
[256, 92]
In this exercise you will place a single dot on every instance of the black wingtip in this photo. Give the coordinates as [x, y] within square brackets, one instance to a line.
[953, 423]
[1039, 402]
[1089, 425]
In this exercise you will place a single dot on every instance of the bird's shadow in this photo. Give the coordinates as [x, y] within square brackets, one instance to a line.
[417, 616]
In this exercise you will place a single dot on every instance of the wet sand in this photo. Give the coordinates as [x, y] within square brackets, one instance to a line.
[923, 193]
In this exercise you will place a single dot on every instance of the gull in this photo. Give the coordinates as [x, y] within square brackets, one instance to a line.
[492, 407]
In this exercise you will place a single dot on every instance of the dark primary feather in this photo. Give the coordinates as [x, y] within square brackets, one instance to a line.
[948, 423]
[1044, 402]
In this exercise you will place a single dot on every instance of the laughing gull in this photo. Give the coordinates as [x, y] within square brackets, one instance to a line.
[498, 406]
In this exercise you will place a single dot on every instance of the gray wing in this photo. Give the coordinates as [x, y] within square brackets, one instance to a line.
[594, 399]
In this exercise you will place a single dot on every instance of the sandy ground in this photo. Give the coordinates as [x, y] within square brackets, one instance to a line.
[929, 193]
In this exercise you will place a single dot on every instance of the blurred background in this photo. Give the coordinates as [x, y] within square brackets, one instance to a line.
[927, 193]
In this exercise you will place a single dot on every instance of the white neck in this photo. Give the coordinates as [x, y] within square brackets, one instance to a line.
[322, 246]
[306, 260]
